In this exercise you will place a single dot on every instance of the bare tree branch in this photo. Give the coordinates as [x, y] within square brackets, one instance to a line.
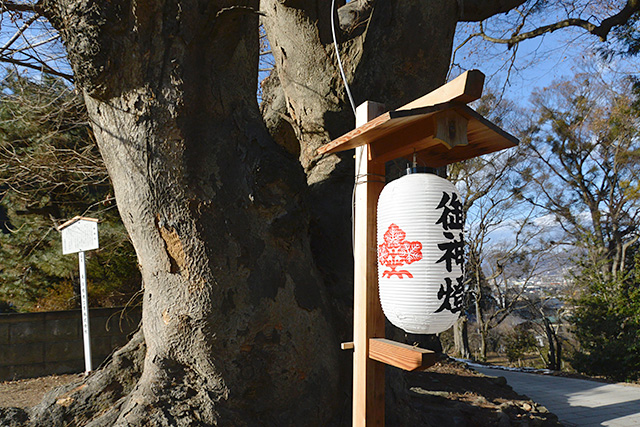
[25, 16]
[10, 6]
[40, 67]
[602, 30]
[475, 11]
[18, 33]
[591, 28]
[37, 44]
[620, 18]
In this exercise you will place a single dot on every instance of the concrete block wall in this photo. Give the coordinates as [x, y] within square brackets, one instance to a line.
[37, 344]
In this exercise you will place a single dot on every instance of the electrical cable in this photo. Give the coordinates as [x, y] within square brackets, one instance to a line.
[335, 44]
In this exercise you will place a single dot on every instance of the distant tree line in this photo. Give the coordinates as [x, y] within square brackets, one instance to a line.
[569, 194]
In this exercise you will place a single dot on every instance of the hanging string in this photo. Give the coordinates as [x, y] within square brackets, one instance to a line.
[361, 179]
[358, 179]
[335, 44]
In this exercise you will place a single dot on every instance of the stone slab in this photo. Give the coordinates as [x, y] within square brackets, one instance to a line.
[63, 329]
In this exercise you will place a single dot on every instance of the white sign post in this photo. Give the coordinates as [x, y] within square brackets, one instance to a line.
[79, 235]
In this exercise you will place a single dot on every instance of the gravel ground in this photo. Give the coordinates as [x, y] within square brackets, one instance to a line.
[444, 393]
[28, 392]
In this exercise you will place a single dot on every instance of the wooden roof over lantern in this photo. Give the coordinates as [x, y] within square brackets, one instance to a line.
[438, 127]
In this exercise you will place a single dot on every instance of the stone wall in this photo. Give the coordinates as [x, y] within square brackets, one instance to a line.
[37, 344]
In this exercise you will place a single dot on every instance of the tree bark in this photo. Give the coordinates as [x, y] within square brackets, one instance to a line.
[483, 344]
[552, 343]
[394, 61]
[392, 58]
[234, 314]
[461, 338]
[558, 352]
[482, 330]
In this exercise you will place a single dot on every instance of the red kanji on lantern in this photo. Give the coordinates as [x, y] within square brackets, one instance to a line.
[396, 251]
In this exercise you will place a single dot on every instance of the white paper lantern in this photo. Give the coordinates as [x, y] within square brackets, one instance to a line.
[420, 253]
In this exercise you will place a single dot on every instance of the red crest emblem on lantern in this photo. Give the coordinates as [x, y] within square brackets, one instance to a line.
[396, 251]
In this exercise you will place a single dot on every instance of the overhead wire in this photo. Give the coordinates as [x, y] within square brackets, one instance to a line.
[358, 177]
[335, 45]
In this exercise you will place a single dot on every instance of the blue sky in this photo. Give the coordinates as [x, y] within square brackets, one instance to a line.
[538, 62]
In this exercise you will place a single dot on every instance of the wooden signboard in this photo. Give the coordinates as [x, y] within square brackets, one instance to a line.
[80, 234]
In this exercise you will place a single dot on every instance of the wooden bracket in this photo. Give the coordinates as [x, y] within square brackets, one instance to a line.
[451, 129]
[438, 127]
[400, 355]
[346, 345]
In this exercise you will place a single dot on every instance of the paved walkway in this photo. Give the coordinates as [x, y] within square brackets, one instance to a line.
[577, 402]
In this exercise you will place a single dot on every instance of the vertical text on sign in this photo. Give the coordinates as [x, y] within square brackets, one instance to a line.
[451, 292]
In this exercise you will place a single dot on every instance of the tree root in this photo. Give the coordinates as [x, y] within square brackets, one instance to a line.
[93, 401]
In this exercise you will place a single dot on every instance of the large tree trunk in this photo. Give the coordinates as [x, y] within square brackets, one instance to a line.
[558, 353]
[555, 346]
[235, 315]
[233, 311]
[550, 339]
[390, 56]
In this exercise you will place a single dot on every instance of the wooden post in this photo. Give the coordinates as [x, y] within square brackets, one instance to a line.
[368, 322]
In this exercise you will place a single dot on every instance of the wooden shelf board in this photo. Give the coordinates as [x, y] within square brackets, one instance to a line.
[400, 355]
